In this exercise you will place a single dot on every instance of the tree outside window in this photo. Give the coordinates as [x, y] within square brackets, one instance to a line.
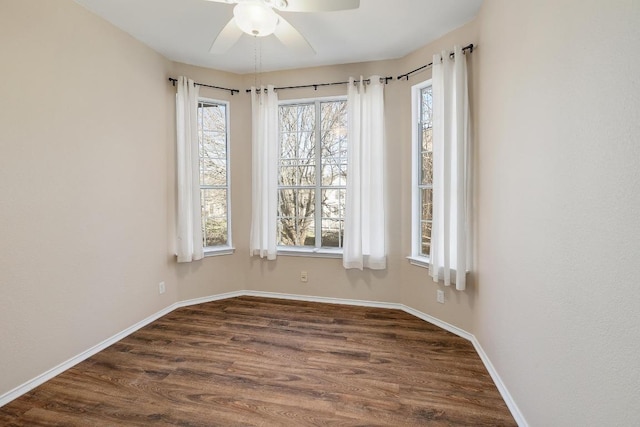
[312, 173]
[214, 176]
[425, 184]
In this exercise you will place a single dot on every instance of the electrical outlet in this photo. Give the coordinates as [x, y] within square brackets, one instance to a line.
[303, 276]
[440, 296]
[161, 288]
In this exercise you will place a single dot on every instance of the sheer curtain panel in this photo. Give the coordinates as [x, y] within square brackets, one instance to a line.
[264, 197]
[364, 240]
[450, 258]
[189, 238]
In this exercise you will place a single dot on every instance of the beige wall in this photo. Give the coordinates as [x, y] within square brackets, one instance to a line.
[220, 274]
[418, 290]
[556, 306]
[327, 277]
[87, 192]
[84, 153]
[401, 282]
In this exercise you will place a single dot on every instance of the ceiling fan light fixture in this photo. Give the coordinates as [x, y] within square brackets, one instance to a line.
[255, 19]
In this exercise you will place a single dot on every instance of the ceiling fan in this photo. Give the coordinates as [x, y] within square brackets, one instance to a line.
[258, 18]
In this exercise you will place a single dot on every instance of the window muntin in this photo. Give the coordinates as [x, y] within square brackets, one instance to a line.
[214, 173]
[312, 173]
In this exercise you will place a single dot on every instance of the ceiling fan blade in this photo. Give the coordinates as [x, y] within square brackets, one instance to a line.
[292, 38]
[319, 5]
[226, 38]
[224, 1]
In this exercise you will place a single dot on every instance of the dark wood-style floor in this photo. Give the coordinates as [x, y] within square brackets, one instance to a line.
[265, 362]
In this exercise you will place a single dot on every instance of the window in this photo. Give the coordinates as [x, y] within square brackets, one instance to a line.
[214, 175]
[422, 212]
[312, 174]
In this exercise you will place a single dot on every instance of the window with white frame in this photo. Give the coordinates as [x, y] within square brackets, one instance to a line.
[214, 174]
[312, 173]
[422, 170]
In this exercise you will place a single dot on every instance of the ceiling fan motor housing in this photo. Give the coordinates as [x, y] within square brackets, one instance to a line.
[278, 4]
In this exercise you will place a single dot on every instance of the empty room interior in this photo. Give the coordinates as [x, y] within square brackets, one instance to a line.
[323, 293]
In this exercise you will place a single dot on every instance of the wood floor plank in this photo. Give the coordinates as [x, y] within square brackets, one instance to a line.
[264, 362]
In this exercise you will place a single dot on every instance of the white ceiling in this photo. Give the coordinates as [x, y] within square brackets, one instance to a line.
[183, 31]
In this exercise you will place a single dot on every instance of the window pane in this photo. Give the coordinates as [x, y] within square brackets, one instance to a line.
[426, 143]
[294, 174]
[297, 145]
[426, 168]
[425, 238]
[333, 203]
[426, 215]
[296, 208]
[306, 146]
[426, 203]
[213, 172]
[300, 151]
[334, 115]
[288, 122]
[213, 117]
[214, 216]
[288, 146]
[213, 145]
[212, 132]
[290, 234]
[297, 118]
[334, 142]
[334, 129]
[287, 175]
[427, 138]
[334, 174]
[333, 217]
[423, 168]
[426, 105]
[307, 174]
[307, 117]
[332, 233]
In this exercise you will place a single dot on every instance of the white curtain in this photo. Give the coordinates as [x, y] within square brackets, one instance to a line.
[450, 257]
[189, 238]
[264, 208]
[364, 241]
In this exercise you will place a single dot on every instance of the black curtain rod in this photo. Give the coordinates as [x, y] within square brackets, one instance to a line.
[469, 47]
[317, 85]
[173, 82]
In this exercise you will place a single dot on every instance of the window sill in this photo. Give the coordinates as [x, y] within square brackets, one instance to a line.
[420, 261]
[310, 252]
[218, 250]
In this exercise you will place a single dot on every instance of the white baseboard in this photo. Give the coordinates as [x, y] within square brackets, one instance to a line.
[435, 321]
[326, 300]
[46, 376]
[506, 396]
[218, 297]
[33, 383]
[515, 411]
